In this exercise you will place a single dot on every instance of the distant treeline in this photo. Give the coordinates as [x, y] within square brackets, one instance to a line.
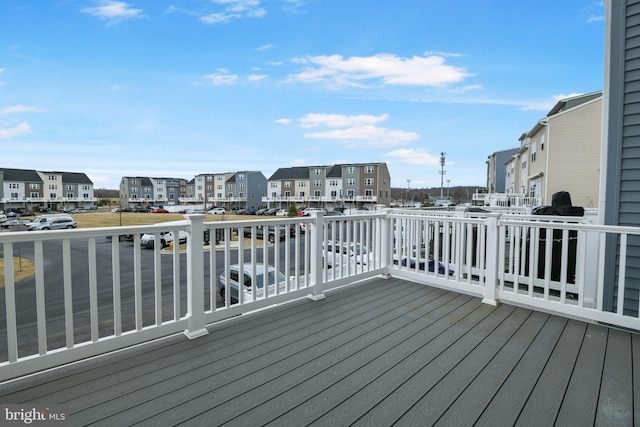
[103, 193]
[457, 194]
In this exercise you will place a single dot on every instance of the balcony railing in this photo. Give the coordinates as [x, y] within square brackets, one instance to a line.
[90, 295]
[507, 199]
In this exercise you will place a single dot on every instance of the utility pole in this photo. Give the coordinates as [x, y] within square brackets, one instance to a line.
[442, 172]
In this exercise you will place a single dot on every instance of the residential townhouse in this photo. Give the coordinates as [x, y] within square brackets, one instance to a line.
[331, 186]
[231, 190]
[242, 189]
[496, 170]
[560, 153]
[140, 190]
[35, 190]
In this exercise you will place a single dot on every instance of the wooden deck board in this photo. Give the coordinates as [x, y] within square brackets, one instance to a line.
[377, 353]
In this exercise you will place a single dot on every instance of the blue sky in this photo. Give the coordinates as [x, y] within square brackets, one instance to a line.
[178, 88]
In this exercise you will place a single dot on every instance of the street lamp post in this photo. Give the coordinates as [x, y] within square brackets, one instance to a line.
[442, 172]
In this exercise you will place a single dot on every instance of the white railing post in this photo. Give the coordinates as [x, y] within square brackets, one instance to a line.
[195, 277]
[491, 266]
[315, 264]
[386, 244]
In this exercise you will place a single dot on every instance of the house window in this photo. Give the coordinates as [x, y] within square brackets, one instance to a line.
[350, 182]
[351, 169]
[368, 181]
[542, 143]
[317, 183]
[34, 195]
[317, 172]
[69, 195]
[533, 152]
[302, 184]
[334, 194]
[274, 185]
[368, 169]
[34, 186]
[287, 184]
[316, 193]
[333, 182]
[368, 193]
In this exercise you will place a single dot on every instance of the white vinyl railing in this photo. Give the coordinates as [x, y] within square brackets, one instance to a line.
[90, 294]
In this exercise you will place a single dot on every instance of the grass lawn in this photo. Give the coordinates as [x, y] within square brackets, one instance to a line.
[24, 267]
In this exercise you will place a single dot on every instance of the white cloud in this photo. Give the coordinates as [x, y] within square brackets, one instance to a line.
[18, 109]
[113, 11]
[256, 77]
[372, 135]
[414, 156]
[265, 47]
[234, 9]
[22, 128]
[595, 18]
[339, 120]
[222, 78]
[353, 129]
[548, 104]
[283, 121]
[388, 69]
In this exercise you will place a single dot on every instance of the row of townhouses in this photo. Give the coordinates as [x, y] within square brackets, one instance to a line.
[39, 190]
[561, 152]
[344, 185]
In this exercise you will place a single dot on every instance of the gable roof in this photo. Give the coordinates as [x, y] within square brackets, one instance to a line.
[20, 175]
[298, 172]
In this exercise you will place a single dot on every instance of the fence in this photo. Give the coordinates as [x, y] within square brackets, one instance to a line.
[97, 290]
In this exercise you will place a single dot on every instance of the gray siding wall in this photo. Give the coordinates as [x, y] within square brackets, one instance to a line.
[622, 139]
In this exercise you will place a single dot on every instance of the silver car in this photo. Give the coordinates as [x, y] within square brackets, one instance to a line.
[244, 275]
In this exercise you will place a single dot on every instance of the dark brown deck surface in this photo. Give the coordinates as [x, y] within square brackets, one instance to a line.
[386, 352]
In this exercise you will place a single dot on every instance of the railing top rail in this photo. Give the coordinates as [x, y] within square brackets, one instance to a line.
[21, 236]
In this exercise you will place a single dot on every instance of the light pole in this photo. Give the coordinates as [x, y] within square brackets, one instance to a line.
[442, 172]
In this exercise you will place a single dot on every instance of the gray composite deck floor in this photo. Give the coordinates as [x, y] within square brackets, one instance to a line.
[385, 352]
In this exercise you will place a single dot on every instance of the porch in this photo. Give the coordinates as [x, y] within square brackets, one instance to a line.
[429, 317]
[380, 352]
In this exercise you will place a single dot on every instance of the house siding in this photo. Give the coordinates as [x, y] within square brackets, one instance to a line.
[621, 158]
[577, 163]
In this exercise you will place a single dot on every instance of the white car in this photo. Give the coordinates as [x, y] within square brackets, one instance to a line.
[340, 253]
[217, 211]
[148, 239]
[281, 212]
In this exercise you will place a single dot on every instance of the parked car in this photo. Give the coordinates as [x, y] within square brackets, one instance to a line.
[148, 239]
[355, 253]
[261, 211]
[249, 211]
[422, 265]
[243, 275]
[52, 222]
[271, 232]
[308, 211]
[138, 209]
[271, 211]
[159, 210]
[281, 212]
[217, 211]
[77, 211]
[6, 223]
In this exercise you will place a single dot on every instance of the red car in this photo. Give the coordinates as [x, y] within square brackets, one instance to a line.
[159, 210]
